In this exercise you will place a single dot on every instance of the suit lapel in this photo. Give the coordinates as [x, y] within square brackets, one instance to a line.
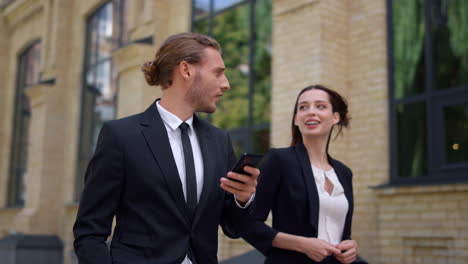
[311, 187]
[155, 134]
[208, 150]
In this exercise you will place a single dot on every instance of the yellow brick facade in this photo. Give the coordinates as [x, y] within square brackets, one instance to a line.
[339, 43]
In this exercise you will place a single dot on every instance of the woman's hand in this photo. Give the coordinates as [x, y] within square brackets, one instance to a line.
[348, 251]
[317, 249]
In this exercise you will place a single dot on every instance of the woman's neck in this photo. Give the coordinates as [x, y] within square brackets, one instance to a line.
[317, 150]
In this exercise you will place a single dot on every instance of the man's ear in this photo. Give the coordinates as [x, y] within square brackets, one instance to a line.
[186, 70]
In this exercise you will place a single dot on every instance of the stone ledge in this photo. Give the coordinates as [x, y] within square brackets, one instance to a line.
[36, 93]
[21, 10]
[421, 189]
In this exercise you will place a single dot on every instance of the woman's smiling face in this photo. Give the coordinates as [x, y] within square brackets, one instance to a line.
[315, 116]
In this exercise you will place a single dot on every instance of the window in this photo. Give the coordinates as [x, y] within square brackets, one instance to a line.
[428, 66]
[243, 28]
[105, 32]
[28, 74]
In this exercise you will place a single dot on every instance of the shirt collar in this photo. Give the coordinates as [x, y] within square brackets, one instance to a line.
[171, 120]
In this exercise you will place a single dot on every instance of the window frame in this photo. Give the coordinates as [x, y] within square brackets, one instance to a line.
[15, 179]
[435, 100]
[245, 133]
[84, 154]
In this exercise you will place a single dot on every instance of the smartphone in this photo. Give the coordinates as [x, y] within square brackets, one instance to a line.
[247, 159]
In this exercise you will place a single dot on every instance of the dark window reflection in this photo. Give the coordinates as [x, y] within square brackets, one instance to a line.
[28, 74]
[408, 47]
[105, 43]
[262, 139]
[223, 4]
[202, 26]
[430, 67]
[232, 32]
[201, 8]
[450, 37]
[239, 140]
[262, 63]
[244, 110]
[456, 133]
[99, 95]
[411, 142]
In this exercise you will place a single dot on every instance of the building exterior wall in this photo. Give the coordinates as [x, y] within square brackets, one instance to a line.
[342, 44]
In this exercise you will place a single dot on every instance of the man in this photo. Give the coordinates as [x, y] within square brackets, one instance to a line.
[160, 172]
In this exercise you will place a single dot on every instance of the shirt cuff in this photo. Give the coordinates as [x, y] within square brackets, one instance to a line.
[246, 204]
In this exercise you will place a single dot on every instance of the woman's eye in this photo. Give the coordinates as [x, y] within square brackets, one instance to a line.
[302, 107]
[321, 107]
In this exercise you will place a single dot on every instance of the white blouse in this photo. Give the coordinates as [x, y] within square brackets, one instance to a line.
[332, 208]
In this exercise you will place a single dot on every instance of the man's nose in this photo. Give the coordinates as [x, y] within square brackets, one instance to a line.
[225, 84]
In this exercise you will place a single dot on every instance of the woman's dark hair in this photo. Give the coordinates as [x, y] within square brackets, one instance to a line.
[339, 105]
[187, 47]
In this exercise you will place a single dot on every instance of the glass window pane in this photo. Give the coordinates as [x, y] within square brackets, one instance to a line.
[103, 80]
[261, 140]
[28, 74]
[239, 141]
[456, 133]
[201, 8]
[92, 40]
[232, 32]
[32, 65]
[450, 37]
[222, 4]
[411, 140]
[408, 47]
[90, 92]
[262, 64]
[120, 27]
[105, 103]
[100, 84]
[105, 43]
[202, 26]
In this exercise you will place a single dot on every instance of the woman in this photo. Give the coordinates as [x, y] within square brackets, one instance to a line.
[309, 193]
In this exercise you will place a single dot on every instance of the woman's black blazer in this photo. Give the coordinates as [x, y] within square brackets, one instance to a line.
[287, 188]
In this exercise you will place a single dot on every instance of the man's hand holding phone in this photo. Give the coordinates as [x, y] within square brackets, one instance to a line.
[242, 180]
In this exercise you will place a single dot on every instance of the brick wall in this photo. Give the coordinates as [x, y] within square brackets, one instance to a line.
[425, 224]
[341, 44]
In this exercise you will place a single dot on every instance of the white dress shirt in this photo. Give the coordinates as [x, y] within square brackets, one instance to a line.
[332, 208]
[172, 123]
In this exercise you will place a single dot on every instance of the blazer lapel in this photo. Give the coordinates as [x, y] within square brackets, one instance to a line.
[208, 149]
[311, 187]
[155, 134]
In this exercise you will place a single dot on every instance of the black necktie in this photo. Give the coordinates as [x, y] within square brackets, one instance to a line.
[190, 178]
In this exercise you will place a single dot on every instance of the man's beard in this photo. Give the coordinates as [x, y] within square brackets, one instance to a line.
[195, 96]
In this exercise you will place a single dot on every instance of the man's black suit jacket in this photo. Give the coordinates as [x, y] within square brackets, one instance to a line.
[287, 188]
[133, 176]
